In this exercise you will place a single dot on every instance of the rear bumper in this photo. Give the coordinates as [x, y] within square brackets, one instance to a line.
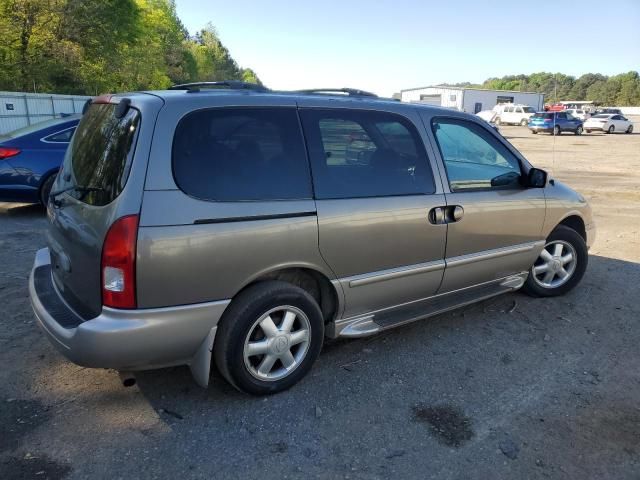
[593, 127]
[539, 128]
[125, 339]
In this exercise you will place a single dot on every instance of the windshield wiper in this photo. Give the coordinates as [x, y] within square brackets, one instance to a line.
[78, 188]
[83, 190]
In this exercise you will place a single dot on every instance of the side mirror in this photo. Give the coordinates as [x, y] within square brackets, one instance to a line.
[536, 178]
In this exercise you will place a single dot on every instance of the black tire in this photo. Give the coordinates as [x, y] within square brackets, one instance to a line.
[534, 132]
[569, 235]
[524, 122]
[578, 131]
[237, 322]
[630, 129]
[45, 189]
[611, 129]
[588, 131]
[557, 130]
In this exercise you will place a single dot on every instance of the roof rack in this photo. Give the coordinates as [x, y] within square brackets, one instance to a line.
[231, 84]
[348, 91]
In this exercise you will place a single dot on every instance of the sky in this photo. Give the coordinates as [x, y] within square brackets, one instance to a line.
[385, 46]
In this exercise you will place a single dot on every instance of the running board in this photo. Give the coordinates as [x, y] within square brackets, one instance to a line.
[372, 323]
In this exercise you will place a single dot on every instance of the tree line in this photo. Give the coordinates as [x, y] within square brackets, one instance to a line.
[96, 46]
[619, 90]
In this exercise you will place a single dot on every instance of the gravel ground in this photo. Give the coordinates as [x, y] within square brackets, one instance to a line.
[513, 387]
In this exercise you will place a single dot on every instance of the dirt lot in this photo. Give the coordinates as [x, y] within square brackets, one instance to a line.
[510, 388]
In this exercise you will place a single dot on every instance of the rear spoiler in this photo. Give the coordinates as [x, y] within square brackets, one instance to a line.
[121, 109]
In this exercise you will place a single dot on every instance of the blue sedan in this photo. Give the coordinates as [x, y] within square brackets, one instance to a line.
[30, 158]
[555, 123]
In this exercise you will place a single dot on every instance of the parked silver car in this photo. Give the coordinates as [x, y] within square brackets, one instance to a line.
[246, 225]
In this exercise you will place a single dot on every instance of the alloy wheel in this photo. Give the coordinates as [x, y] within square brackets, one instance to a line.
[555, 265]
[277, 343]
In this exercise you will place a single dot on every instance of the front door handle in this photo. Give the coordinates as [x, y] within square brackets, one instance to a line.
[446, 214]
[457, 213]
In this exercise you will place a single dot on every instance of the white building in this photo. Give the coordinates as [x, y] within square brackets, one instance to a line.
[471, 100]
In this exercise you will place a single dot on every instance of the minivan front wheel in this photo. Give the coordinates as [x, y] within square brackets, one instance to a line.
[269, 337]
[560, 265]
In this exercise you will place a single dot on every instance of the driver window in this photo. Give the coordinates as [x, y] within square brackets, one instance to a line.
[474, 158]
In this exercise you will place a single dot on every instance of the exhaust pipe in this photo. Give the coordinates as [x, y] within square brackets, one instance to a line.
[128, 379]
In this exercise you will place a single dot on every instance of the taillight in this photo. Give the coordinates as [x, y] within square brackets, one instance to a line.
[6, 152]
[118, 264]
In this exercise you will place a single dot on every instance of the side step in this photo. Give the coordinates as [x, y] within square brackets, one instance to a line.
[375, 322]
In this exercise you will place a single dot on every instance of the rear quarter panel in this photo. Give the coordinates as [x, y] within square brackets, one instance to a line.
[181, 262]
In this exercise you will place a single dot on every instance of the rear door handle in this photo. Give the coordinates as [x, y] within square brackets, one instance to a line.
[437, 216]
[446, 214]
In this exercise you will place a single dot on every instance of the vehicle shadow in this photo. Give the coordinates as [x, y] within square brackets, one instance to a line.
[26, 210]
[345, 364]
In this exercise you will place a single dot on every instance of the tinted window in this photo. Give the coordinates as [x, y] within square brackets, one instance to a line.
[365, 154]
[529, 110]
[562, 115]
[235, 154]
[543, 115]
[61, 137]
[473, 157]
[99, 156]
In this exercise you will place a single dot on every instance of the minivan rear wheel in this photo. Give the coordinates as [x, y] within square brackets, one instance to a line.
[269, 338]
[524, 122]
[560, 265]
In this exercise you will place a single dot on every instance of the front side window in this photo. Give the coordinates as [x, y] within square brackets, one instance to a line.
[358, 153]
[474, 158]
[240, 154]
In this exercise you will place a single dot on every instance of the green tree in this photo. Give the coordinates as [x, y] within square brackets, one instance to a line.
[94, 46]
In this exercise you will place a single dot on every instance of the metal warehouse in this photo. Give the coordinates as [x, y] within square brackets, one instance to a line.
[472, 100]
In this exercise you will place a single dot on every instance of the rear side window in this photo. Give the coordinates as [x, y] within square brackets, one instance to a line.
[240, 154]
[99, 157]
[61, 137]
[361, 153]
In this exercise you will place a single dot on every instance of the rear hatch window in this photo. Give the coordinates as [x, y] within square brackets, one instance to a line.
[98, 160]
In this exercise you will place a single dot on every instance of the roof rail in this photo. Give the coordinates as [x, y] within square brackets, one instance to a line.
[231, 84]
[348, 91]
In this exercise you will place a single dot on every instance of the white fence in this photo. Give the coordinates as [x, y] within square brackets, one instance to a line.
[18, 110]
